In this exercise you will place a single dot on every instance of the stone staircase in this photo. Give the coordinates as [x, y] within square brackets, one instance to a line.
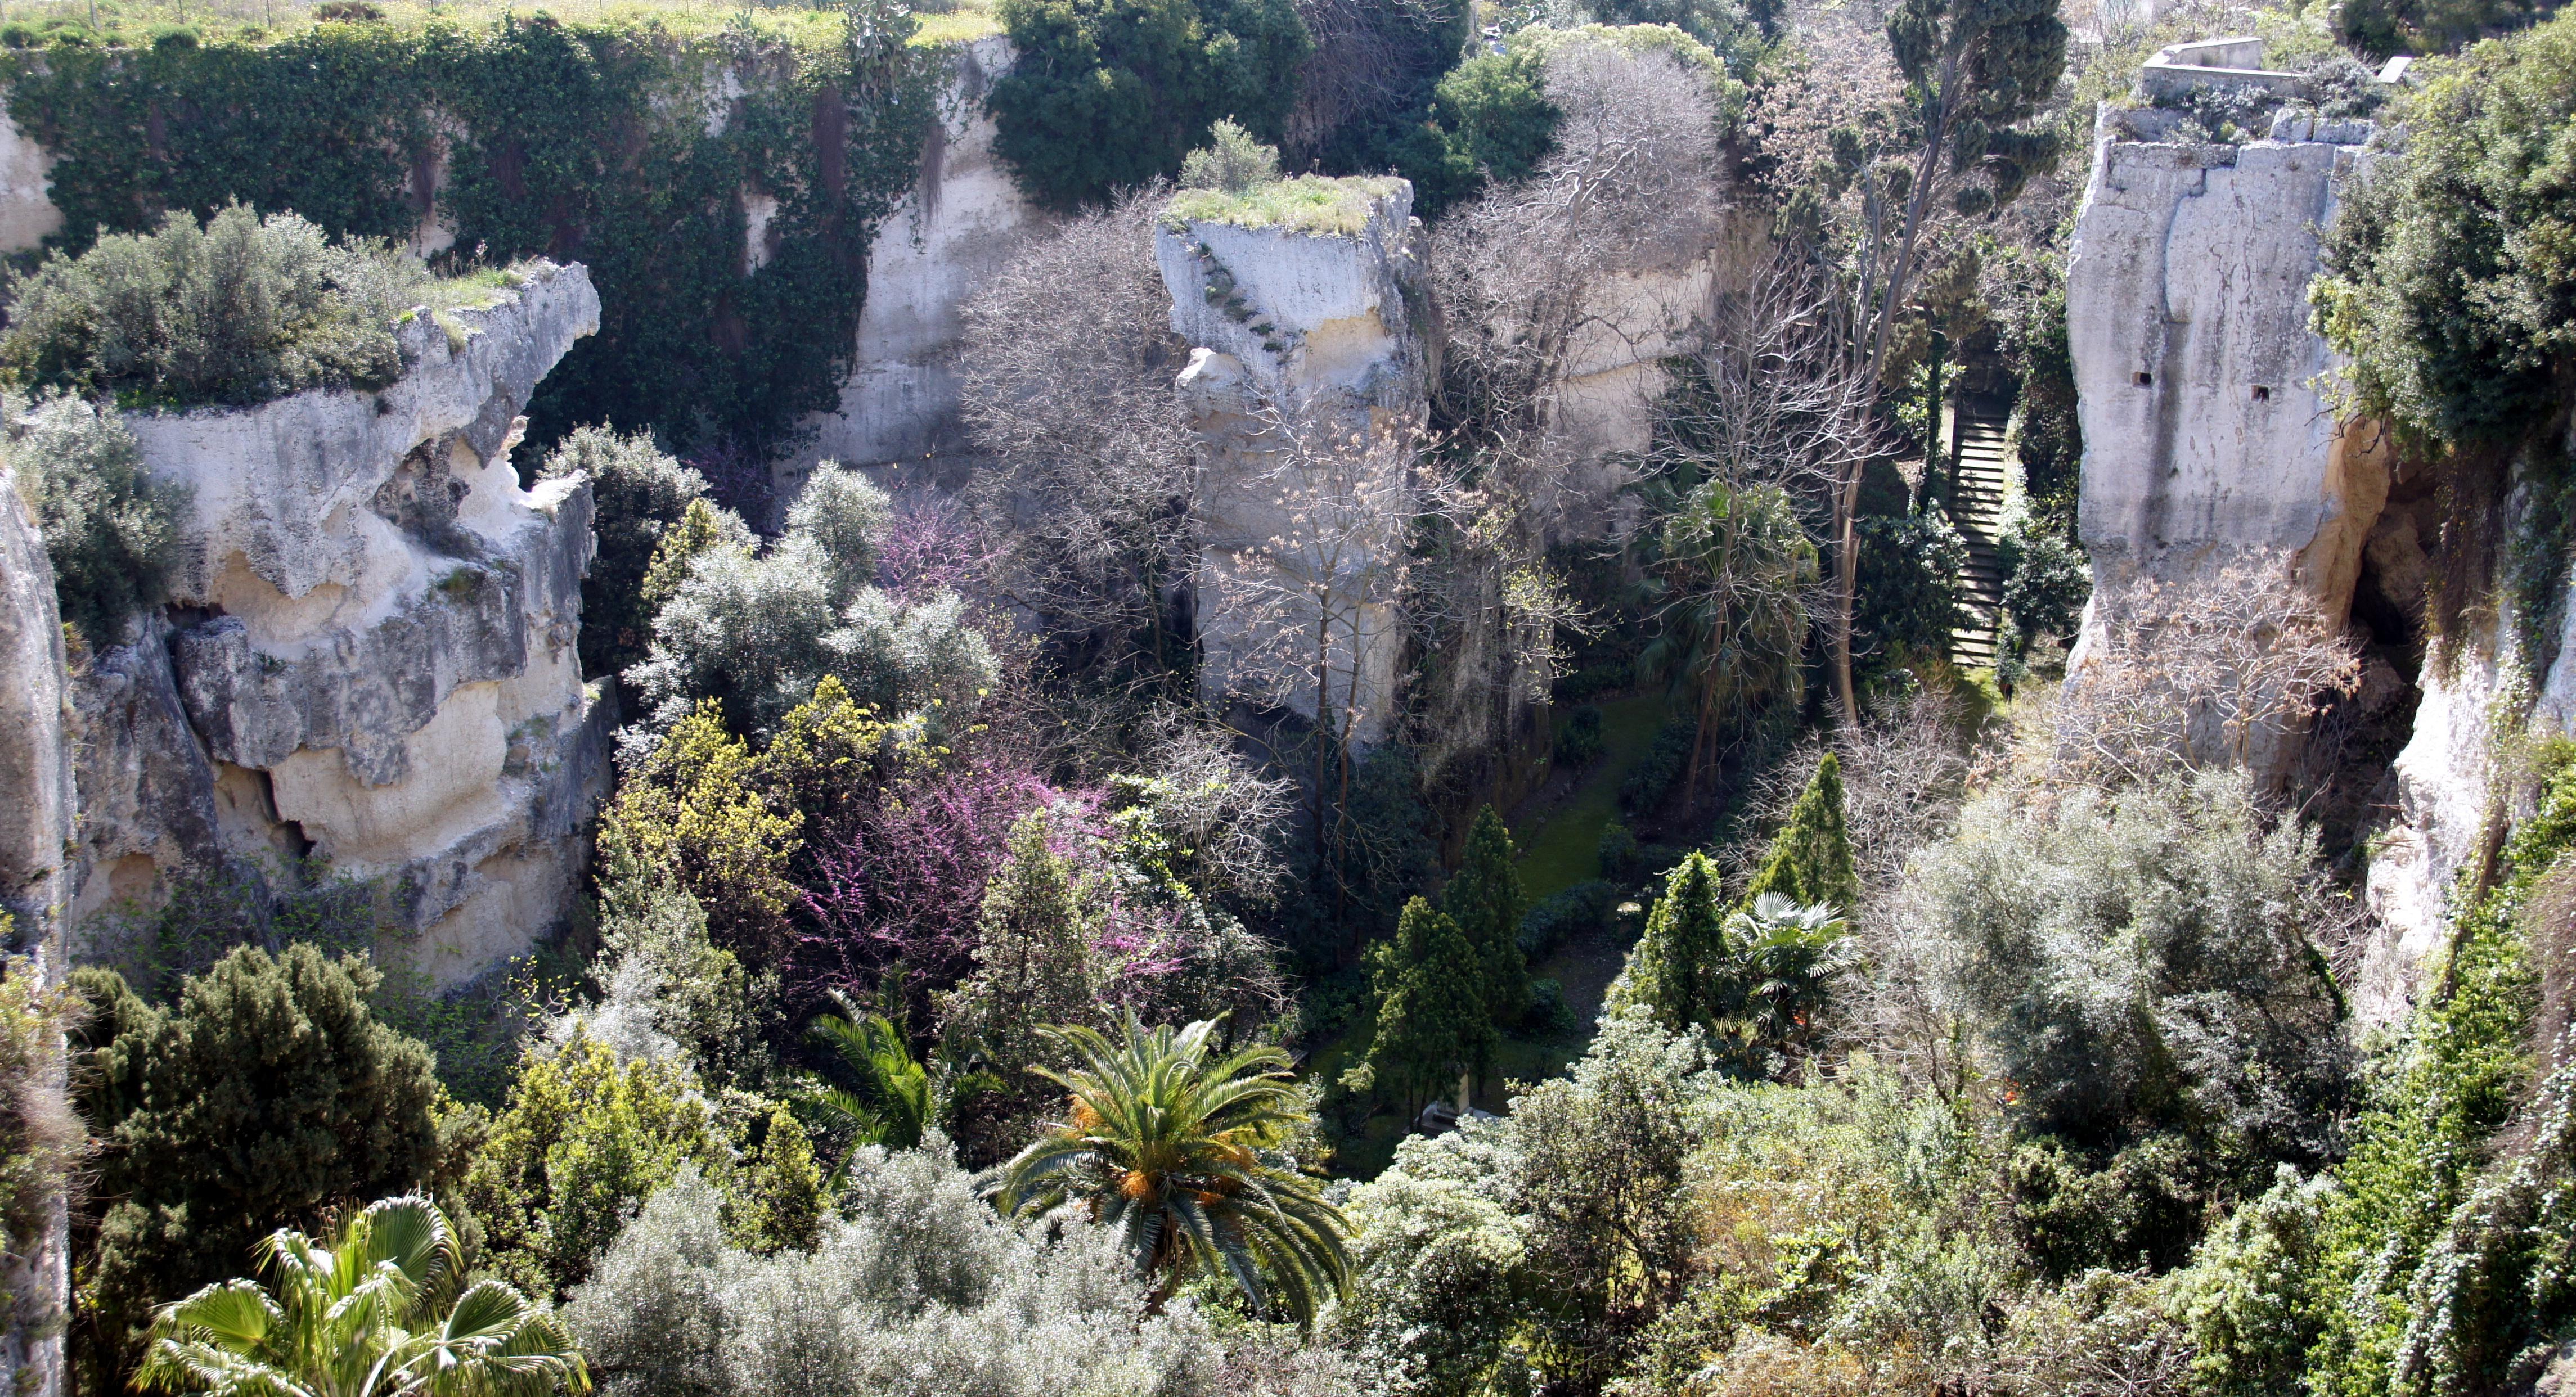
[1976, 501]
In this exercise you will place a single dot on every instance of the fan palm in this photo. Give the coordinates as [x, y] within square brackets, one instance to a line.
[893, 1104]
[1181, 1155]
[360, 1318]
[1736, 572]
[1787, 957]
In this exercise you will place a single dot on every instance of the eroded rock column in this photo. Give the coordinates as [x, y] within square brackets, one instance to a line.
[374, 657]
[1307, 382]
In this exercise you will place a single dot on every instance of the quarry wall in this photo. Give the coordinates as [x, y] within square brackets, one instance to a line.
[36, 827]
[370, 656]
[2201, 389]
[959, 225]
[960, 221]
[1309, 367]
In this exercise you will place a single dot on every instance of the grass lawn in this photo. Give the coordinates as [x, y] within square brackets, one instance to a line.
[1560, 838]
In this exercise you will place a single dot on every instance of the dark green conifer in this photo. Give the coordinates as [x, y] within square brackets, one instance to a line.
[267, 1095]
[1485, 900]
[1432, 1024]
[1810, 859]
[1682, 967]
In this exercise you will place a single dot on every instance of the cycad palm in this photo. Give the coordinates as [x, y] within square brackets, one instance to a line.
[1180, 1155]
[893, 1104]
[360, 1318]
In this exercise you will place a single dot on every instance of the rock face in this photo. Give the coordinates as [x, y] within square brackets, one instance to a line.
[36, 824]
[961, 222]
[378, 663]
[2205, 432]
[1314, 335]
[2488, 699]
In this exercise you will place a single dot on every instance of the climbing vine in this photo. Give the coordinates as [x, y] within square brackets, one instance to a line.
[624, 146]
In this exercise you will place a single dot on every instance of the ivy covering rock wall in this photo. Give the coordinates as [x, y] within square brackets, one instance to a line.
[630, 147]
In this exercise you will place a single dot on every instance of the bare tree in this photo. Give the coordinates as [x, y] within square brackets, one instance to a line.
[1768, 394]
[1521, 274]
[1067, 360]
[1947, 136]
[1220, 815]
[2222, 669]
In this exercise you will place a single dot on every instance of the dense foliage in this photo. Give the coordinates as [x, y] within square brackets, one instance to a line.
[379, 1307]
[238, 310]
[267, 1093]
[572, 141]
[1108, 94]
[2448, 278]
[108, 527]
[638, 494]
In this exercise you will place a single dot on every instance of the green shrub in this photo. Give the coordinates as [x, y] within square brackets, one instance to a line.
[1108, 94]
[585, 1138]
[266, 1095]
[2140, 962]
[2383, 27]
[1233, 161]
[1909, 586]
[1653, 777]
[1810, 859]
[2448, 279]
[1489, 120]
[637, 492]
[238, 310]
[1578, 911]
[1578, 743]
[107, 526]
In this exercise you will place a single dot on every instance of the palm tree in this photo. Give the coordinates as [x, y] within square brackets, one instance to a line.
[894, 1102]
[1787, 958]
[1182, 1156]
[1732, 592]
[360, 1318]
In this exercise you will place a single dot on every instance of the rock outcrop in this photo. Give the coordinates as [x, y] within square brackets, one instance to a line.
[2207, 432]
[37, 804]
[1308, 372]
[962, 221]
[374, 658]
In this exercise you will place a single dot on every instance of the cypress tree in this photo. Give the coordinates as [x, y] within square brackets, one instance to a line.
[1810, 859]
[1682, 965]
[1486, 902]
[1431, 1015]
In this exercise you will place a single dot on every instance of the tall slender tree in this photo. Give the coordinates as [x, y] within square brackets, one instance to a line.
[1675, 969]
[1485, 899]
[1810, 860]
[1431, 1016]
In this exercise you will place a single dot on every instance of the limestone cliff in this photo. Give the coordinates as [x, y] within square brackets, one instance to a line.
[370, 655]
[962, 221]
[2207, 432]
[35, 832]
[1309, 369]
